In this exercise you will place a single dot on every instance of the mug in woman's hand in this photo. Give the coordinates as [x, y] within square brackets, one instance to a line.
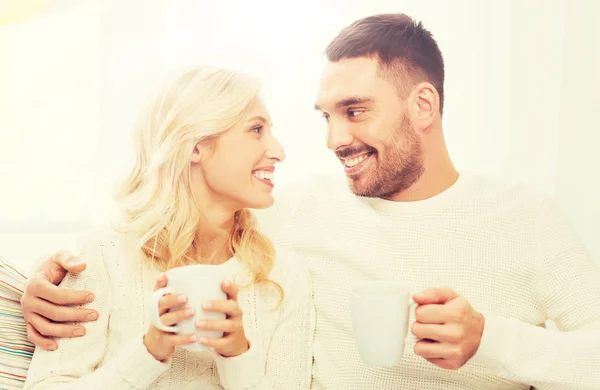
[200, 283]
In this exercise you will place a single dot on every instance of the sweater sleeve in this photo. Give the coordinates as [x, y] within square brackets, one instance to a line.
[568, 286]
[78, 362]
[287, 361]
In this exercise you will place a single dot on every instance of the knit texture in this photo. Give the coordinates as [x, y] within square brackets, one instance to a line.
[508, 251]
[112, 354]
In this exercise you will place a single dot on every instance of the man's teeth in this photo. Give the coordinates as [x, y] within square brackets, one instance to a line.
[357, 160]
[263, 175]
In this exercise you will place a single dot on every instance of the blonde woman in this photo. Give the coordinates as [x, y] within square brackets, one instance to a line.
[205, 154]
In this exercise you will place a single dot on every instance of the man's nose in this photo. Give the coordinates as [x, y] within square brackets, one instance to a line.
[338, 136]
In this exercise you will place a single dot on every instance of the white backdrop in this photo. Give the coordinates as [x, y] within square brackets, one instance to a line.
[521, 95]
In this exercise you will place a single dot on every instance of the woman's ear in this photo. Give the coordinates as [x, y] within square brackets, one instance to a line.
[197, 154]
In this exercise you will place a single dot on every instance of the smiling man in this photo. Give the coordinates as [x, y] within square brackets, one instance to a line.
[367, 130]
[493, 262]
[375, 141]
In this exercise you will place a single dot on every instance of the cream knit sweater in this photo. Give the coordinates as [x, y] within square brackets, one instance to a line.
[506, 250]
[112, 354]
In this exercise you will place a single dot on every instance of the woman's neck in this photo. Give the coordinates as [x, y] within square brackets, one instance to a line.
[211, 244]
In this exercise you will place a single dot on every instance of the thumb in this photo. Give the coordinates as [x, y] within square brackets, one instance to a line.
[437, 296]
[231, 289]
[68, 262]
[161, 281]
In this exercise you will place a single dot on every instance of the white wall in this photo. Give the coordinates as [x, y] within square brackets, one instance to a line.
[519, 89]
[578, 160]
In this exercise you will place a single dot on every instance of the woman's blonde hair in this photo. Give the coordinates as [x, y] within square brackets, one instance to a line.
[156, 198]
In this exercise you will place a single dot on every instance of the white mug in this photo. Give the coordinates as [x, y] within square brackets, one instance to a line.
[380, 312]
[200, 283]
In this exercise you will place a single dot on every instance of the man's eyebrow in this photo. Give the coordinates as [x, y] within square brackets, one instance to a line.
[349, 102]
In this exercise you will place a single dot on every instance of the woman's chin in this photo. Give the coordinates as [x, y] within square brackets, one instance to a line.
[261, 201]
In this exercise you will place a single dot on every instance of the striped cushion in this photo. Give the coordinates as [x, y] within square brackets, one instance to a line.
[15, 350]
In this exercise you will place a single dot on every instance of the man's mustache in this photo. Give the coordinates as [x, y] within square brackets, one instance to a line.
[354, 151]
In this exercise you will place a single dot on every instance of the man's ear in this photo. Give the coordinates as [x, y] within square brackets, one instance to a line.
[423, 105]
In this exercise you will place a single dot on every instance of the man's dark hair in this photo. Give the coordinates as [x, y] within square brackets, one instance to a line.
[406, 51]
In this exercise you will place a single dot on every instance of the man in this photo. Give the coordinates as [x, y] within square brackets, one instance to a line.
[511, 260]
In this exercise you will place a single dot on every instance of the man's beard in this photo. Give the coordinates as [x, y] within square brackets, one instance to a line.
[400, 168]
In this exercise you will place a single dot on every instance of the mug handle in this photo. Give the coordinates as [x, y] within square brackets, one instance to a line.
[154, 315]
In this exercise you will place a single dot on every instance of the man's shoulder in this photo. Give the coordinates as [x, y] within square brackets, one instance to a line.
[290, 268]
[503, 189]
[510, 195]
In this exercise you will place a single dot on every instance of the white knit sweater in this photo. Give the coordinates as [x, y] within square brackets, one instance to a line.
[506, 250]
[112, 354]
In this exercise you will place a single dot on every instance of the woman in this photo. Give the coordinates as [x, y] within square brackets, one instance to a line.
[205, 154]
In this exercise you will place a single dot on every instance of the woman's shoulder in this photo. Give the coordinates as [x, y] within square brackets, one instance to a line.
[106, 243]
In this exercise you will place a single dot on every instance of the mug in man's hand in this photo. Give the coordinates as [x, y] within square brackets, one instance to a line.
[380, 312]
[200, 283]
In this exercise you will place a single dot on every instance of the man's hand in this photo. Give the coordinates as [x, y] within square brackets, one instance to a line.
[43, 303]
[449, 328]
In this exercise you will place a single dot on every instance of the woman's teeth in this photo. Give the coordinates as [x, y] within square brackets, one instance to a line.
[263, 175]
[355, 161]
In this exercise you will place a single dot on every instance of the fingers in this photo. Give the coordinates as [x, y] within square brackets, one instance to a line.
[220, 344]
[435, 350]
[171, 339]
[431, 314]
[226, 326]
[447, 364]
[171, 301]
[227, 346]
[229, 307]
[161, 281]
[176, 316]
[434, 296]
[69, 262]
[426, 331]
[54, 268]
[449, 328]
[62, 313]
[451, 333]
[49, 329]
[180, 339]
[37, 339]
[231, 289]
[38, 287]
[455, 311]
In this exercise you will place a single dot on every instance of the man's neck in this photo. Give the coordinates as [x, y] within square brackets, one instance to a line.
[439, 172]
[429, 185]
[439, 175]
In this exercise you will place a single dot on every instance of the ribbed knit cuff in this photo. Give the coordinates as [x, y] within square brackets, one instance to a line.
[138, 367]
[497, 342]
[240, 372]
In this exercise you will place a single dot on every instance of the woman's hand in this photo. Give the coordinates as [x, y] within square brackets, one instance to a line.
[233, 342]
[161, 344]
